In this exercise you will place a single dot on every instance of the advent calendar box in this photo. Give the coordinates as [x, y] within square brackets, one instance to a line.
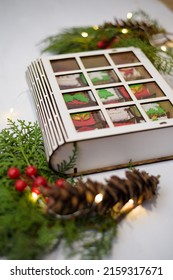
[112, 105]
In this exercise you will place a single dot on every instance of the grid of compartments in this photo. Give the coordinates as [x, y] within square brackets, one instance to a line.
[109, 90]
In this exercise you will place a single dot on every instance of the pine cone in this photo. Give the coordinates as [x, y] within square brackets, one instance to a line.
[71, 198]
[141, 26]
[138, 186]
[75, 199]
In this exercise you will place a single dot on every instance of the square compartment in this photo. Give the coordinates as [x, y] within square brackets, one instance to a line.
[90, 120]
[146, 90]
[113, 95]
[71, 81]
[62, 65]
[159, 110]
[124, 58]
[79, 99]
[134, 73]
[103, 77]
[95, 61]
[125, 115]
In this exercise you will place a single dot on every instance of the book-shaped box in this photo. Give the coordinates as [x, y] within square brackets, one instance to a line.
[113, 105]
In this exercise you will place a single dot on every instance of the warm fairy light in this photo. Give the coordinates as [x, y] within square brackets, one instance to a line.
[124, 31]
[131, 201]
[137, 212]
[98, 198]
[95, 27]
[129, 15]
[128, 206]
[84, 34]
[34, 196]
[163, 48]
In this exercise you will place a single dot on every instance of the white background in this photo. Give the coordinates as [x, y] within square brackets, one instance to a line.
[148, 231]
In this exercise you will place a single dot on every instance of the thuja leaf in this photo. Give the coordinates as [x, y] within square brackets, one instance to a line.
[66, 165]
[21, 144]
[92, 237]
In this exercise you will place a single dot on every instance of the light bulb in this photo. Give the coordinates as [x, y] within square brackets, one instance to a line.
[163, 48]
[98, 198]
[84, 34]
[95, 27]
[34, 196]
[129, 15]
[131, 201]
[124, 31]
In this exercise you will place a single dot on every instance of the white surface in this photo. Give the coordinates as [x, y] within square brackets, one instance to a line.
[146, 234]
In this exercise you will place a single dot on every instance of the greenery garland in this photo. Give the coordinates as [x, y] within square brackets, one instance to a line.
[26, 231]
[30, 228]
[139, 31]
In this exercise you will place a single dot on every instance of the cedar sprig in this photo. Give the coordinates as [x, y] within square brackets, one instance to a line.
[21, 144]
[65, 165]
[92, 237]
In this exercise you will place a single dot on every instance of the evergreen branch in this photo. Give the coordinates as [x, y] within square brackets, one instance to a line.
[140, 29]
[66, 165]
[92, 237]
[21, 144]
[26, 231]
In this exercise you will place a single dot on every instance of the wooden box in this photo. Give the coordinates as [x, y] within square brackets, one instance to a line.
[113, 105]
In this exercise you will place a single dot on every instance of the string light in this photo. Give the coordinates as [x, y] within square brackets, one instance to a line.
[34, 196]
[84, 34]
[163, 48]
[131, 201]
[124, 31]
[95, 27]
[129, 15]
[98, 198]
[128, 206]
[137, 212]
[11, 114]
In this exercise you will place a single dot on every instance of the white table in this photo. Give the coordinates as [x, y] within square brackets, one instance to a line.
[147, 232]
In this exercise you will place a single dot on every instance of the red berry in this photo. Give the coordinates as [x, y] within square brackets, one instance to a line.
[101, 44]
[35, 190]
[60, 182]
[39, 181]
[31, 170]
[20, 185]
[13, 173]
